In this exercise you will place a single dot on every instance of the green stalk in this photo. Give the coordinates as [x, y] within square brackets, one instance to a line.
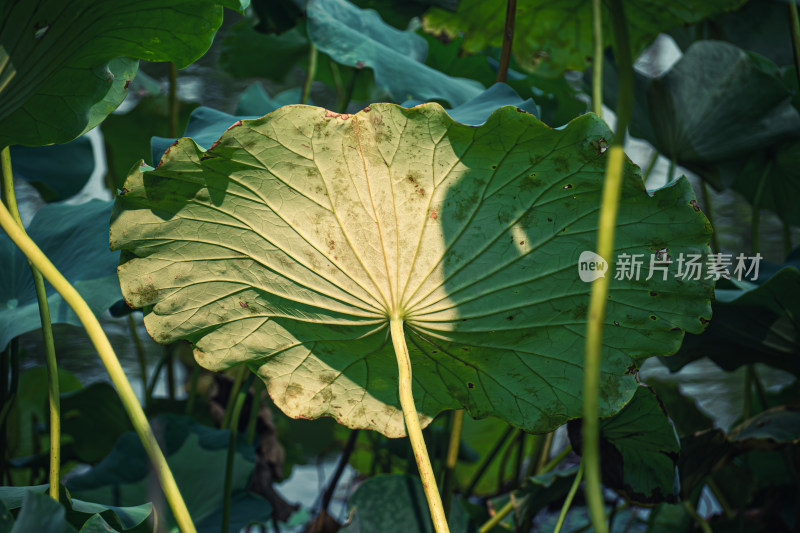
[762, 182]
[560, 456]
[451, 460]
[599, 295]
[568, 502]
[148, 397]
[337, 82]
[140, 357]
[597, 63]
[544, 456]
[508, 41]
[310, 74]
[54, 397]
[671, 170]
[413, 428]
[172, 100]
[710, 216]
[234, 429]
[111, 363]
[507, 508]
[255, 406]
[794, 22]
[192, 389]
[650, 165]
[787, 239]
[237, 385]
[487, 461]
[704, 526]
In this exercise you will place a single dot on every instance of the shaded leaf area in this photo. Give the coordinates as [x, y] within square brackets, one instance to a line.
[683, 410]
[760, 26]
[292, 240]
[39, 512]
[28, 415]
[553, 36]
[752, 324]
[124, 477]
[74, 238]
[64, 71]
[707, 452]
[359, 38]
[639, 450]
[58, 172]
[538, 492]
[374, 453]
[127, 135]
[683, 115]
[483, 436]
[397, 504]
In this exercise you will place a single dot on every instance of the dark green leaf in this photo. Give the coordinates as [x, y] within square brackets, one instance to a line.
[639, 450]
[93, 418]
[125, 478]
[41, 513]
[537, 492]
[75, 239]
[67, 64]
[397, 504]
[59, 171]
[359, 38]
[682, 409]
[277, 54]
[551, 36]
[255, 101]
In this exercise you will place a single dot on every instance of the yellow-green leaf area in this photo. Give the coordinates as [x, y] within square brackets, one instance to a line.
[291, 242]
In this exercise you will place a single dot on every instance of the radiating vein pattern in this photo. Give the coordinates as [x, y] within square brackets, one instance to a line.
[291, 242]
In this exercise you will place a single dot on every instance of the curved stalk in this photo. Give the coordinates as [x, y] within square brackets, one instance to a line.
[487, 461]
[310, 74]
[709, 212]
[413, 428]
[599, 295]
[140, 357]
[237, 385]
[111, 363]
[507, 508]
[234, 429]
[568, 502]
[452, 459]
[757, 205]
[172, 100]
[650, 165]
[597, 63]
[53, 393]
[794, 22]
[508, 41]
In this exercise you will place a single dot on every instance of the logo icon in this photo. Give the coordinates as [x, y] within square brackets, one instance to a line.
[591, 266]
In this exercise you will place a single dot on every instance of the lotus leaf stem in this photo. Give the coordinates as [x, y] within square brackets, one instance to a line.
[111, 363]
[414, 429]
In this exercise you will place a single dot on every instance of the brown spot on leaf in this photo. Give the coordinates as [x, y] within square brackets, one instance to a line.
[127, 84]
[694, 205]
[243, 304]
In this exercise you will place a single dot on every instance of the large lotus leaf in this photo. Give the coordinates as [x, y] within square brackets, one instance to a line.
[74, 238]
[761, 26]
[551, 36]
[779, 168]
[292, 241]
[125, 478]
[41, 513]
[277, 54]
[755, 324]
[66, 64]
[639, 450]
[359, 38]
[396, 504]
[76, 512]
[476, 111]
[59, 171]
[684, 116]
